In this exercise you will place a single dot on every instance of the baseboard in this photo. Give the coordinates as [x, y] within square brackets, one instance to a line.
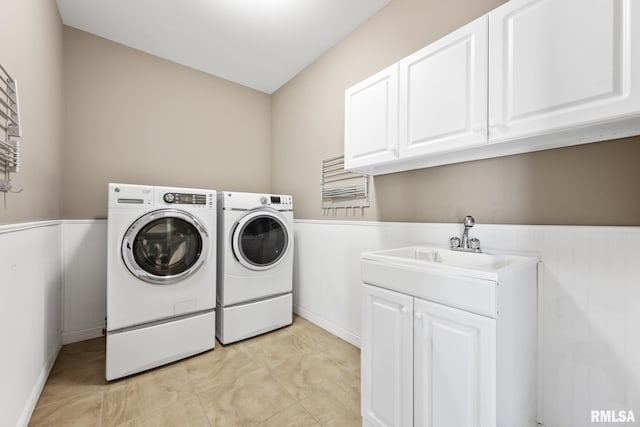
[82, 335]
[31, 403]
[336, 330]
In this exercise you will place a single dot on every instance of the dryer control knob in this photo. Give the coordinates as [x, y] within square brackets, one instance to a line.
[169, 197]
[263, 200]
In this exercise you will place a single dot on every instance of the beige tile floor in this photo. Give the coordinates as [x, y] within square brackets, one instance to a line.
[296, 376]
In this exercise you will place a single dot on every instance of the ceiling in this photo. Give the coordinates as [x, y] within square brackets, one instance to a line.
[261, 44]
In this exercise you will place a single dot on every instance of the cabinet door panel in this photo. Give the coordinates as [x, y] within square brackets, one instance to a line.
[371, 120]
[455, 371]
[387, 358]
[555, 64]
[443, 93]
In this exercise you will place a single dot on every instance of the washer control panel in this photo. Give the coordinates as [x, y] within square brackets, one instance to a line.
[276, 201]
[246, 201]
[185, 198]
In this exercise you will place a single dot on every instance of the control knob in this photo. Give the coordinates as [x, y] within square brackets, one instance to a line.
[263, 200]
[169, 197]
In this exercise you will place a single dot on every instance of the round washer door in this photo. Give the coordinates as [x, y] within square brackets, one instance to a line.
[260, 240]
[165, 246]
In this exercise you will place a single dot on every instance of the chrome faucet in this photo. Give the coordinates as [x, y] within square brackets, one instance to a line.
[468, 223]
[466, 244]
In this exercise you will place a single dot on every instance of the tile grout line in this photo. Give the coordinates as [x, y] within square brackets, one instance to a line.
[101, 409]
[204, 410]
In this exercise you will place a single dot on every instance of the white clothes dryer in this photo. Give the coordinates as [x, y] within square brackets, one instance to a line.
[255, 264]
[161, 273]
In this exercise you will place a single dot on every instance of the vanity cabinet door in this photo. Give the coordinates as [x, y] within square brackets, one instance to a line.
[443, 93]
[371, 120]
[387, 358]
[455, 367]
[559, 64]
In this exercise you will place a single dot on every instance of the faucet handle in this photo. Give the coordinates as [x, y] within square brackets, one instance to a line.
[474, 244]
[454, 242]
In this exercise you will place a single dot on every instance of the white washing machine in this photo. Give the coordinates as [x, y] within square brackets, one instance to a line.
[255, 264]
[161, 275]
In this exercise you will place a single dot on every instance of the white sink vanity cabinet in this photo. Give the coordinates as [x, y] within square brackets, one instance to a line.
[529, 75]
[449, 339]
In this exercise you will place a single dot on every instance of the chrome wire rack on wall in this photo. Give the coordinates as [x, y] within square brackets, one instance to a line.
[340, 189]
[9, 130]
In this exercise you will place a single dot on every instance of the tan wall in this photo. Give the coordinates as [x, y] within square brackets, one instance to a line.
[31, 50]
[135, 118]
[128, 115]
[594, 184]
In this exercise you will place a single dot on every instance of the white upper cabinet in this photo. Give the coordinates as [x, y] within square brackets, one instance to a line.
[530, 75]
[443, 93]
[558, 64]
[371, 120]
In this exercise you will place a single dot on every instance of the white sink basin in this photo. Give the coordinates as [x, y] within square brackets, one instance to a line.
[419, 255]
[464, 280]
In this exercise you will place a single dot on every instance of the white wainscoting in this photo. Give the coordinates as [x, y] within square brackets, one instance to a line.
[589, 300]
[30, 315]
[53, 285]
[84, 267]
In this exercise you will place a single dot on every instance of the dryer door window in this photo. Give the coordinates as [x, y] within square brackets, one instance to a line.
[164, 246]
[260, 241]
